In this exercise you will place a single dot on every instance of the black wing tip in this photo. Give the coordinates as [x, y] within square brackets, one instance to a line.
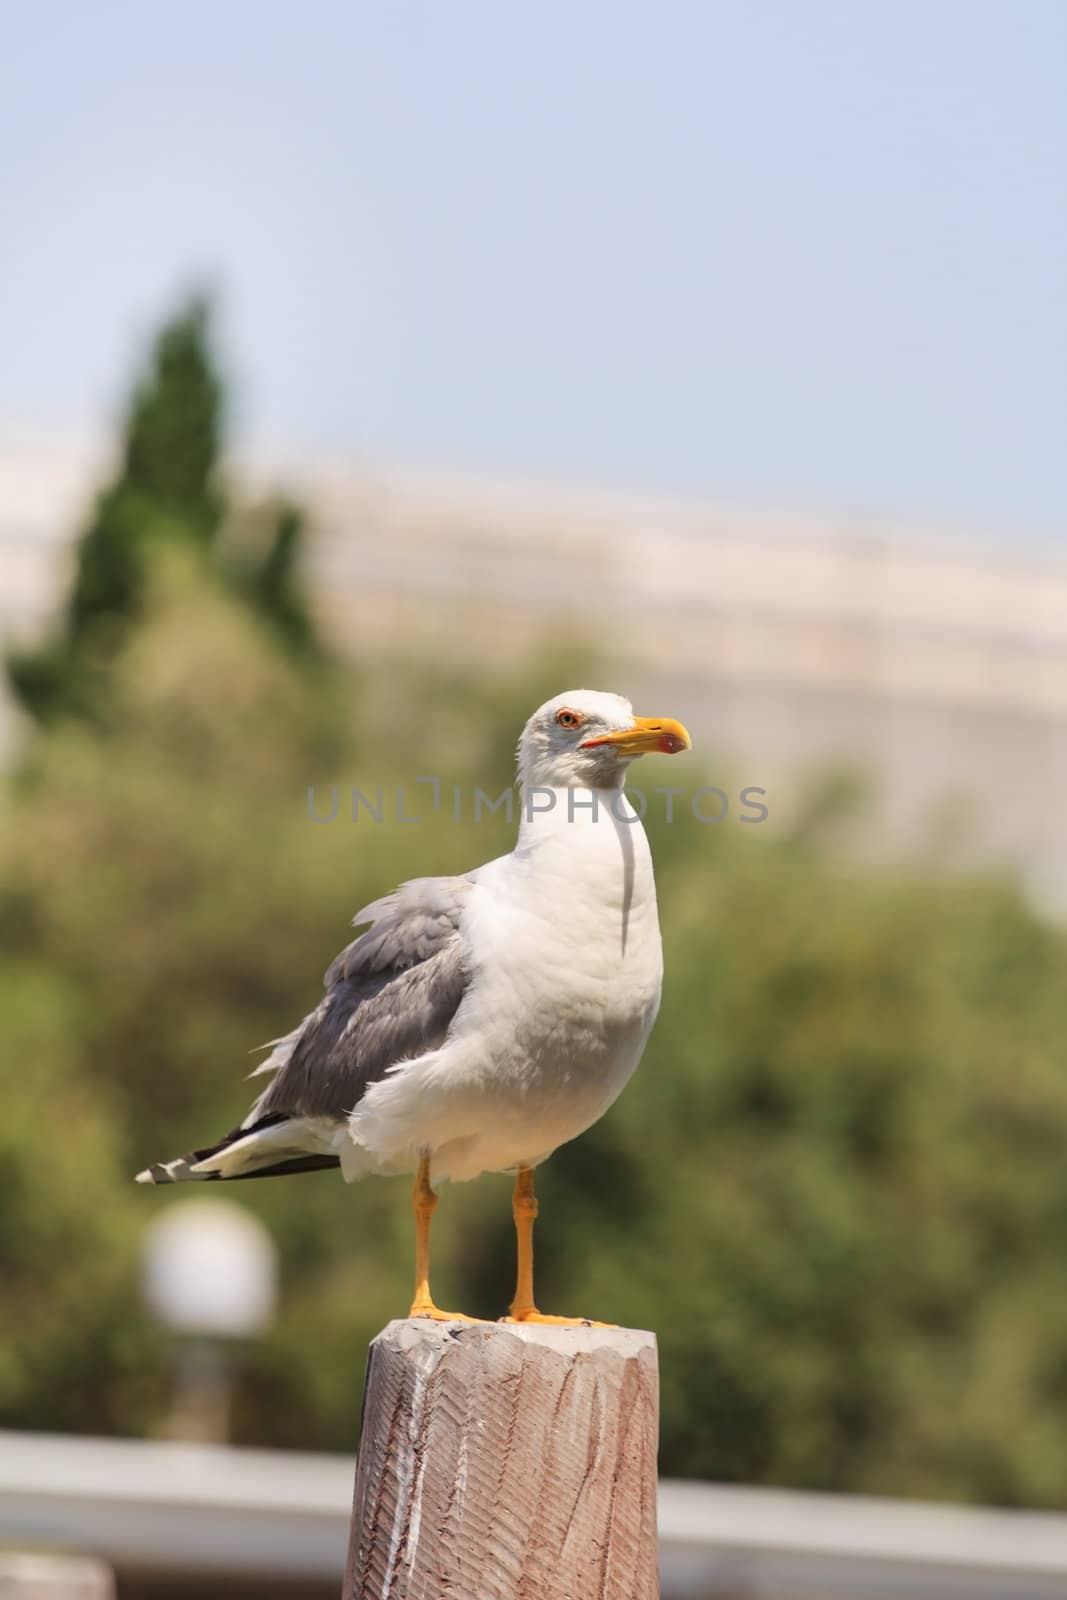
[180, 1171]
[282, 1169]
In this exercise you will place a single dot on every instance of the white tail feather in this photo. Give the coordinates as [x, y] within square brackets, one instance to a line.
[299, 1136]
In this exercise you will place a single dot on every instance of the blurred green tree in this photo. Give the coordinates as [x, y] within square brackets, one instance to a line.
[261, 556]
[168, 489]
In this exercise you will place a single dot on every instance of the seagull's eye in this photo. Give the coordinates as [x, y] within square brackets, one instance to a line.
[569, 719]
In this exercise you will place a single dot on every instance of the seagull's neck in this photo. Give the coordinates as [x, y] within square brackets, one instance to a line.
[547, 811]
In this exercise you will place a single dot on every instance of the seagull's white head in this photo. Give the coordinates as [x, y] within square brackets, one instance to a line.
[586, 740]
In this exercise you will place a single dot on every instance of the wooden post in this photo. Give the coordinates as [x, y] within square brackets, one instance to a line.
[502, 1462]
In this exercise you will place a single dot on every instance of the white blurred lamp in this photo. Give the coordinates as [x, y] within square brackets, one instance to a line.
[210, 1275]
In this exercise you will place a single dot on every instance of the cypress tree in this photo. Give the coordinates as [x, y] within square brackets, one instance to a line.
[168, 487]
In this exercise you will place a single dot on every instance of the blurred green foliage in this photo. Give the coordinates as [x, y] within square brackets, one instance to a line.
[168, 490]
[836, 1187]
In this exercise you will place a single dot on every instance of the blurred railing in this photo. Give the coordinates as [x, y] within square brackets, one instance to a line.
[193, 1511]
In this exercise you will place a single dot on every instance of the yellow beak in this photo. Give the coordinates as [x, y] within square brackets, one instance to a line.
[648, 735]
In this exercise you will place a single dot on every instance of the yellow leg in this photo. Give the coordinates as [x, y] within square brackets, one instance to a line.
[425, 1203]
[524, 1210]
[523, 1308]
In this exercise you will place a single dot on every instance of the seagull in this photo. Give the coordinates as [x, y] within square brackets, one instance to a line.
[480, 1021]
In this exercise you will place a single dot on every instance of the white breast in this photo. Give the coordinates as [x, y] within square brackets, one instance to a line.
[569, 920]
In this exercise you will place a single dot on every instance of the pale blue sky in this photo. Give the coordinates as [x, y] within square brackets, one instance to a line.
[807, 253]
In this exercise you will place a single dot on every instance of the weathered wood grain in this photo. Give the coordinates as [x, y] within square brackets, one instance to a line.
[506, 1463]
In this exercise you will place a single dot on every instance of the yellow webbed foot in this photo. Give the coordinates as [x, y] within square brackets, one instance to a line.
[426, 1308]
[531, 1314]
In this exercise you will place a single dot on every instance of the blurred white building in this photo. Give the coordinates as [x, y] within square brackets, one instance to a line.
[786, 642]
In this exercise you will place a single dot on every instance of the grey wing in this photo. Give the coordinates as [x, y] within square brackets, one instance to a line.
[390, 995]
